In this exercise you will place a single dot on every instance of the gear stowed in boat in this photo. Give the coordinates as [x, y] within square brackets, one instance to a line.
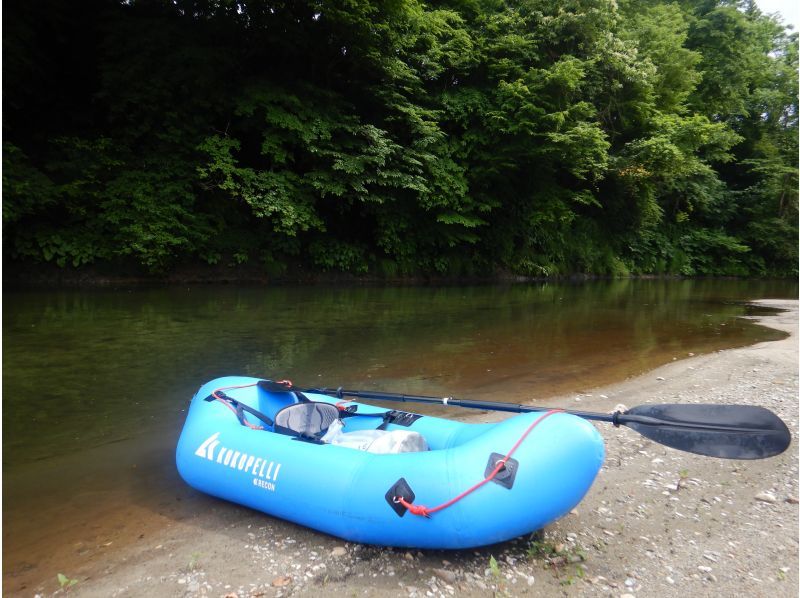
[248, 443]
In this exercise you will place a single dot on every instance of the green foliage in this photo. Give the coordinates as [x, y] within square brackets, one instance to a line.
[711, 253]
[194, 562]
[493, 566]
[660, 32]
[26, 190]
[403, 138]
[328, 254]
[65, 582]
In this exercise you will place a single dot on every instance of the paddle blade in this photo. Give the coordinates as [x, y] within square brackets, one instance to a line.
[725, 431]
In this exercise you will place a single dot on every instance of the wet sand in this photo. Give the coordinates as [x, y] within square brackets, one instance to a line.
[656, 521]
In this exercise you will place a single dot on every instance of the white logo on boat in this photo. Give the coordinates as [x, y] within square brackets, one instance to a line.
[264, 471]
[207, 448]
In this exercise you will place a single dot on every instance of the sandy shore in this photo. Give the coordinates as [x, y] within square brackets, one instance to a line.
[656, 522]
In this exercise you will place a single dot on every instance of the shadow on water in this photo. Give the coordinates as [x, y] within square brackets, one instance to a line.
[96, 383]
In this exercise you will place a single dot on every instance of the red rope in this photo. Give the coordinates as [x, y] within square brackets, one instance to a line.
[229, 406]
[340, 404]
[426, 512]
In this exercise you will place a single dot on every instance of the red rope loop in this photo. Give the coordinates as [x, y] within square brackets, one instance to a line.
[341, 404]
[421, 510]
[424, 511]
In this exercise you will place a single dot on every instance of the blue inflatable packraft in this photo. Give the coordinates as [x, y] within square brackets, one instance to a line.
[239, 444]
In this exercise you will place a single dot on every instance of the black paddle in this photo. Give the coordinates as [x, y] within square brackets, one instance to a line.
[725, 431]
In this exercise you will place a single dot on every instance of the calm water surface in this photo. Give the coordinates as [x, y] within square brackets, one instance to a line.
[96, 383]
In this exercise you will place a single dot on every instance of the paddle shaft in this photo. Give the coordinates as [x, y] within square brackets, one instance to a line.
[618, 418]
[450, 401]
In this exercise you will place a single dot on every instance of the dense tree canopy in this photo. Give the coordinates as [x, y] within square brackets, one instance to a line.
[398, 137]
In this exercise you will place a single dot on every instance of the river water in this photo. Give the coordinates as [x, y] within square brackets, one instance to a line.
[96, 383]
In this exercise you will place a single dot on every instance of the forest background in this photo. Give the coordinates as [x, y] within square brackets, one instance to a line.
[459, 138]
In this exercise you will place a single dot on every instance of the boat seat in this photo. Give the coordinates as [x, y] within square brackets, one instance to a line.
[322, 423]
[308, 420]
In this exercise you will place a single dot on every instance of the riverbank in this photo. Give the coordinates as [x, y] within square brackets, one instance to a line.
[48, 275]
[21, 276]
[656, 522]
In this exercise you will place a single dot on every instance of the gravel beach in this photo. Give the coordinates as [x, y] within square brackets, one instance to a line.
[657, 522]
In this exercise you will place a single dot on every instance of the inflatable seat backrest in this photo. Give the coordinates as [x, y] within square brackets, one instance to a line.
[306, 420]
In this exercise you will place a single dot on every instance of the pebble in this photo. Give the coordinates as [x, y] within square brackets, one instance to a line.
[283, 580]
[792, 500]
[659, 377]
[445, 575]
[767, 497]
[704, 569]
[338, 551]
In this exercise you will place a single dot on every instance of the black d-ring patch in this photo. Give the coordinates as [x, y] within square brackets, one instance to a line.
[505, 477]
[399, 488]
